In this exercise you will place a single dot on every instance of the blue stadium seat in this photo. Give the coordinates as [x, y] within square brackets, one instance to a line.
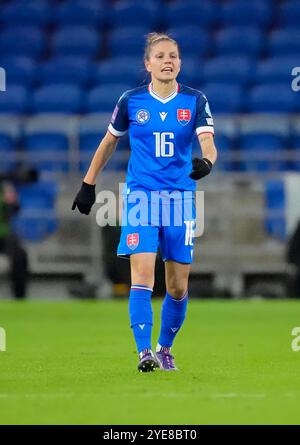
[284, 42]
[130, 13]
[22, 40]
[35, 228]
[103, 98]
[124, 143]
[45, 190]
[14, 100]
[19, 70]
[261, 150]
[88, 143]
[225, 146]
[295, 145]
[89, 140]
[224, 98]
[57, 99]
[240, 41]
[274, 193]
[81, 12]
[77, 40]
[190, 73]
[225, 69]
[30, 12]
[66, 69]
[190, 12]
[47, 151]
[275, 69]
[223, 141]
[273, 98]
[289, 13]
[130, 70]
[127, 41]
[8, 147]
[34, 200]
[275, 201]
[119, 160]
[37, 218]
[241, 12]
[192, 40]
[85, 159]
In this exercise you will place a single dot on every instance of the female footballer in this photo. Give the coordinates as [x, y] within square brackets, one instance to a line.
[161, 119]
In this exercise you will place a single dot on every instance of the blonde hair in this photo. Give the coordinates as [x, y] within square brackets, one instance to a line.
[155, 37]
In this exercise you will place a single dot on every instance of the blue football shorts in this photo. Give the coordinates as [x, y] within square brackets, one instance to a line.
[153, 219]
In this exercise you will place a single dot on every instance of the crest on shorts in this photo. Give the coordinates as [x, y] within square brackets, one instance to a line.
[183, 116]
[142, 116]
[133, 240]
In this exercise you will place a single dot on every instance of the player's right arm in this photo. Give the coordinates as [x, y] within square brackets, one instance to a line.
[106, 148]
[86, 196]
[118, 126]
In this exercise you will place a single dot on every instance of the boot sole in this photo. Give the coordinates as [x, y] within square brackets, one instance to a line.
[147, 366]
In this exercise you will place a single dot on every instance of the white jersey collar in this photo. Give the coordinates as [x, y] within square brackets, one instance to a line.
[164, 100]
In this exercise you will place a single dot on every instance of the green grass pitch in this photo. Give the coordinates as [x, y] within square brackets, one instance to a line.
[74, 362]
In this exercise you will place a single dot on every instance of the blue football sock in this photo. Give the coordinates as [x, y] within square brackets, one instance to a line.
[172, 316]
[141, 316]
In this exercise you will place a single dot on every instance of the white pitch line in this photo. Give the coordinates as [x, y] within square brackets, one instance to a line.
[228, 395]
[165, 394]
[34, 396]
[231, 395]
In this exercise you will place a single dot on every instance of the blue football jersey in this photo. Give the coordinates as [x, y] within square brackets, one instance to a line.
[161, 133]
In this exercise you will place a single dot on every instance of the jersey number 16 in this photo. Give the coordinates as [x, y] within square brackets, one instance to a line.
[163, 147]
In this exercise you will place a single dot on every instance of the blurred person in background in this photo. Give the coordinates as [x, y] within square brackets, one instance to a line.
[161, 118]
[10, 244]
[293, 258]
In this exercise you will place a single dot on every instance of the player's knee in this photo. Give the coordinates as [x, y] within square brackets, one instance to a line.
[143, 278]
[176, 290]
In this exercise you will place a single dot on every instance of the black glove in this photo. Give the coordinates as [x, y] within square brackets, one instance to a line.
[201, 168]
[85, 198]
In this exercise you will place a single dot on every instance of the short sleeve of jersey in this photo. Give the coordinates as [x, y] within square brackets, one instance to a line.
[119, 121]
[204, 121]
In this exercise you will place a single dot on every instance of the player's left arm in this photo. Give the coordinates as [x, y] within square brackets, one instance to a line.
[202, 167]
[208, 148]
[205, 134]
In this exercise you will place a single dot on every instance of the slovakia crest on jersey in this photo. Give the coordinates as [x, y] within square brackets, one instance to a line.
[133, 240]
[183, 116]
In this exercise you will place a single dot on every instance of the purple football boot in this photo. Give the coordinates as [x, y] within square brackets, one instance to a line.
[147, 362]
[165, 359]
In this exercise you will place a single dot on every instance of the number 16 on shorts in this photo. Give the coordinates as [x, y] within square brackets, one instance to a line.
[189, 233]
